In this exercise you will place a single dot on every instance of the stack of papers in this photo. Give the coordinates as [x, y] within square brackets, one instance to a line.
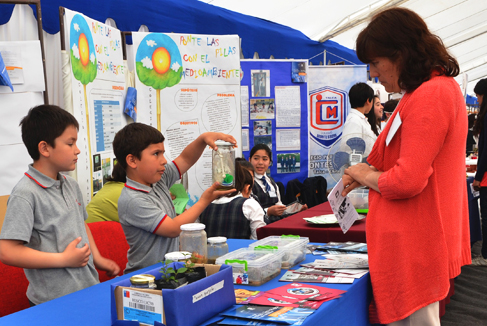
[341, 261]
[326, 219]
[340, 248]
[285, 305]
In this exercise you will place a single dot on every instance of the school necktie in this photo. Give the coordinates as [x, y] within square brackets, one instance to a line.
[267, 187]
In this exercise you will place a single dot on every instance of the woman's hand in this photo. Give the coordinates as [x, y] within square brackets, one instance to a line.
[348, 184]
[361, 175]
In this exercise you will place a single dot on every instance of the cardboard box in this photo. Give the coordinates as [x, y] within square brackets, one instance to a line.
[188, 305]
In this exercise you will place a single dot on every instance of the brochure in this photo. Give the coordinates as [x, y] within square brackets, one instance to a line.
[341, 261]
[244, 296]
[292, 276]
[280, 315]
[342, 207]
[181, 199]
[306, 291]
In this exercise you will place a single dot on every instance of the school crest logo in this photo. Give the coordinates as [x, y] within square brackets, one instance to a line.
[328, 112]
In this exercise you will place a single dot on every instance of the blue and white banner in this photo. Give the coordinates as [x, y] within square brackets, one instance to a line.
[329, 107]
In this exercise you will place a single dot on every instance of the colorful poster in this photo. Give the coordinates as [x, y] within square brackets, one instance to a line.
[328, 110]
[98, 86]
[189, 84]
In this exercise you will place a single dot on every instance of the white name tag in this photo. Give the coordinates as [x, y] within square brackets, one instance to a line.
[395, 125]
[272, 193]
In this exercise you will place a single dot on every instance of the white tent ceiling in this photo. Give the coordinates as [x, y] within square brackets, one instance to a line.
[461, 24]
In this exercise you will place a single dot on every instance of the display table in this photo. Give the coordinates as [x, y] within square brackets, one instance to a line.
[91, 306]
[295, 224]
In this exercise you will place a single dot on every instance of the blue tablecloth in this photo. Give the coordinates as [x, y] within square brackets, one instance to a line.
[91, 306]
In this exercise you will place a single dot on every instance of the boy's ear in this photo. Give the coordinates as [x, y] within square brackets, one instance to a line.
[43, 148]
[131, 162]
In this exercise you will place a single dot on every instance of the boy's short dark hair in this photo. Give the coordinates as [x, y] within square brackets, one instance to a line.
[44, 123]
[359, 94]
[390, 106]
[133, 139]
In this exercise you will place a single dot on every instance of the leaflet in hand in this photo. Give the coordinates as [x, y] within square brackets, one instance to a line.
[342, 207]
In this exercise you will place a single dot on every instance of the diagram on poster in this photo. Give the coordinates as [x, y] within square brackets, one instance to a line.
[196, 89]
[98, 86]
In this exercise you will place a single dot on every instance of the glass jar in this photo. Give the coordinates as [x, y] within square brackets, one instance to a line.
[178, 256]
[143, 281]
[223, 165]
[193, 239]
[217, 247]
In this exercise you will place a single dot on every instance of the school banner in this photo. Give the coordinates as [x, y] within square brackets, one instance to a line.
[98, 88]
[189, 84]
[329, 107]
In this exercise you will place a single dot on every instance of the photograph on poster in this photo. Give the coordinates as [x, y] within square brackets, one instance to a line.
[97, 181]
[262, 109]
[261, 83]
[263, 140]
[96, 162]
[106, 168]
[288, 162]
[298, 74]
[262, 127]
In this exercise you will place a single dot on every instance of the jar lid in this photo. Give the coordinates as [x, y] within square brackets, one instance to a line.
[178, 255]
[193, 227]
[217, 240]
[142, 279]
[223, 143]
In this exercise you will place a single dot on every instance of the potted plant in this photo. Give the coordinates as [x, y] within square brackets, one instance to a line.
[171, 278]
[193, 273]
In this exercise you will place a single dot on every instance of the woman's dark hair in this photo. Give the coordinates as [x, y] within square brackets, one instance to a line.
[480, 89]
[259, 147]
[402, 36]
[132, 139]
[373, 121]
[242, 176]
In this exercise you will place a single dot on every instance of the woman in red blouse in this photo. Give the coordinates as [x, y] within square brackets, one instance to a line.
[417, 226]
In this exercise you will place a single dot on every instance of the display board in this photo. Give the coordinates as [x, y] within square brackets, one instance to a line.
[274, 111]
[186, 85]
[329, 107]
[98, 88]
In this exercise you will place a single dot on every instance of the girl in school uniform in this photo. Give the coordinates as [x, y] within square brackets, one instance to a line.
[237, 215]
[265, 188]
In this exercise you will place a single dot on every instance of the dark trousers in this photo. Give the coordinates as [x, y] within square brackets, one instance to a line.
[483, 215]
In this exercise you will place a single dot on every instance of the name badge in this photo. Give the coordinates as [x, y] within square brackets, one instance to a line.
[394, 127]
[272, 193]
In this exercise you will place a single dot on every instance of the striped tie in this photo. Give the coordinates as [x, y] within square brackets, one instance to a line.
[267, 187]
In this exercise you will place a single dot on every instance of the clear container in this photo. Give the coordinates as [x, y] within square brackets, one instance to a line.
[143, 281]
[251, 266]
[359, 198]
[293, 248]
[193, 239]
[223, 165]
[178, 256]
[217, 247]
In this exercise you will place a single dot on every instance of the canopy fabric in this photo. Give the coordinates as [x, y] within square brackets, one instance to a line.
[460, 24]
[192, 16]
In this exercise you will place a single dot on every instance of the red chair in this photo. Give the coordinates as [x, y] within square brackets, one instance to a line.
[111, 243]
[13, 285]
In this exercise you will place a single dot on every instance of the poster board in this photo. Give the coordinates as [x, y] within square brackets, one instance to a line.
[98, 88]
[186, 85]
[274, 111]
[329, 107]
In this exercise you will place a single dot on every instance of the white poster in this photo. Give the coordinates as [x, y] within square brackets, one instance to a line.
[189, 84]
[98, 83]
[288, 106]
[328, 110]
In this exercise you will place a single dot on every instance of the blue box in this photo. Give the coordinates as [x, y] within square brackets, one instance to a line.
[188, 305]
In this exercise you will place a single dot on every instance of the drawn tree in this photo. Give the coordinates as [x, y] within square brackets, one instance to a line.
[158, 65]
[84, 66]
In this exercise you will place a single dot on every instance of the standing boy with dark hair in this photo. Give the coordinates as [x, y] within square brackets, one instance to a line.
[361, 98]
[145, 208]
[44, 230]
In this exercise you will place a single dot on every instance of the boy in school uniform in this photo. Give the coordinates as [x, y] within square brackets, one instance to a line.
[145, 208]
[44, 230]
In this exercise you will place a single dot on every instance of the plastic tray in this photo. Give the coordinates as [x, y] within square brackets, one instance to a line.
[292, 247]
[253, 267]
